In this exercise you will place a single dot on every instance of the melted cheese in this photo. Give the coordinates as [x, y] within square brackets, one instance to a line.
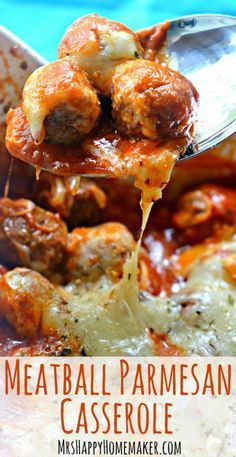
[127, 290]
[113, 319]
[103, 52]
[106, 326]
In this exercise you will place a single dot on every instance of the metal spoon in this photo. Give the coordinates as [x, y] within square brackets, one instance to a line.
[202, 47]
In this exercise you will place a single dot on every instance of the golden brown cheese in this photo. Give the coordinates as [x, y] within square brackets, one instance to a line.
[199, 319]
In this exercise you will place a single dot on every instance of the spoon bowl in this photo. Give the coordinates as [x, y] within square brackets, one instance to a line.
[203, 48]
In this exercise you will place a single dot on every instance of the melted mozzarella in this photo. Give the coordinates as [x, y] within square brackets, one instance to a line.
[100, 58]
[207, 326]
[201, 318]
[88, 313]
[118, 45]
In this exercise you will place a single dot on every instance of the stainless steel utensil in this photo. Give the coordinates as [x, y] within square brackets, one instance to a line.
[203, 48]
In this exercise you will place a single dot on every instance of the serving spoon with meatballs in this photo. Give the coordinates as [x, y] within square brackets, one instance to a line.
[111, 106]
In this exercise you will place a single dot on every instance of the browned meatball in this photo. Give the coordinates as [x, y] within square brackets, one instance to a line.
[99, 45]
[98, 251]
[205, 212]
[82, 206]
[152, 101]
[25, 300]
[59, 103]
[30, 236]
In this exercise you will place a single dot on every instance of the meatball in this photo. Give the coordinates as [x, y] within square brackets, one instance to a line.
[99, 45]
[152, 101]
[27, 300]
[98, 251]
[59, 103]
[205, 212]
[30, 236]
[80, 207]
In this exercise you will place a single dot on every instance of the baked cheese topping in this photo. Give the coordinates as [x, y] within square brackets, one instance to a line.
[205, 325]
